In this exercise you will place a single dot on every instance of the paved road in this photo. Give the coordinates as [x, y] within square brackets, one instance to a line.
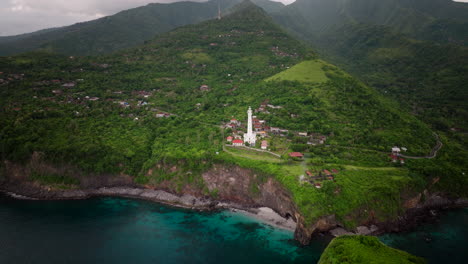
[433, 154]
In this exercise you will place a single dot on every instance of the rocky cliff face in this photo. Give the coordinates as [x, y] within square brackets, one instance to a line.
[248, 188]
[232, 185]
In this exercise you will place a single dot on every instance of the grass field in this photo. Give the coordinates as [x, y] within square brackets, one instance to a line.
[363, 249]
[252, 154]
[307, 71]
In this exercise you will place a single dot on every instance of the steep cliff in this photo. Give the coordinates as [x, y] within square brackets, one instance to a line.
[221, 186]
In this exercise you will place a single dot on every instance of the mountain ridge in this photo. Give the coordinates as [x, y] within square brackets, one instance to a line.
[125, 29]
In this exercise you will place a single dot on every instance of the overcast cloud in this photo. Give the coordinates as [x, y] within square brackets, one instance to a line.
[23, 16]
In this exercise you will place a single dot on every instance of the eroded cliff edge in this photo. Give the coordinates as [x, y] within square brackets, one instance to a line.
[224, 186]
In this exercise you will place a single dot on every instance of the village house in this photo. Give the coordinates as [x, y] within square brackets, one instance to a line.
[235, 122]
[297, 155]
[163, 115]
[264, 145]
[238, 143]
[275, 130]
[396, 151]
[274, 106]
[69, 85]
[302, 134]
[262, 134]
[124, 104]
[229, 139]
[204, 88]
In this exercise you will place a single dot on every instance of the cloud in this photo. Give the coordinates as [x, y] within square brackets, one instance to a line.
[23, 16]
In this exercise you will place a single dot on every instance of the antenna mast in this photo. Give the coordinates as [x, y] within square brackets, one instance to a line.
[219, 10]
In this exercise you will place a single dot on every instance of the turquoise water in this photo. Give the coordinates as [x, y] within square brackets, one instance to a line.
[114, 230]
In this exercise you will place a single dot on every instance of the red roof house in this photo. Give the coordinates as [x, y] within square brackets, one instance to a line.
[238, 143]
[327, 172]
[296, 155]
[229, 139]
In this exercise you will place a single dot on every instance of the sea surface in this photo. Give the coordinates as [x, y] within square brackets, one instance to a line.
[116, 230]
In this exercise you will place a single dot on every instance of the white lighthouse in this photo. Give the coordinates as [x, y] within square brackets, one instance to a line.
[250, 137]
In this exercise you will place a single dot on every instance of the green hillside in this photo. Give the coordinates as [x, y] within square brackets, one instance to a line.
[307, 71]
[415, 54]
[156, 113]
[361, 249]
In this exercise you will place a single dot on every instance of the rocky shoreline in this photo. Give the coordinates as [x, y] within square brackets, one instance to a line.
[263, 214]
[427, 212]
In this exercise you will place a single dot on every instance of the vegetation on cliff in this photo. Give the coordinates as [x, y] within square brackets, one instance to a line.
[364, 249]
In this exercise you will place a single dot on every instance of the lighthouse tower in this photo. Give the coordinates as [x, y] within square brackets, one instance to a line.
[250, 137]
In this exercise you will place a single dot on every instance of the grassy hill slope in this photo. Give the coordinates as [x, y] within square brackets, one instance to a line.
[361, 249]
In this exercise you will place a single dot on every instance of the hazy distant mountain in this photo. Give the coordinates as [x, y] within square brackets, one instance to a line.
[125, 29]
[443, 21]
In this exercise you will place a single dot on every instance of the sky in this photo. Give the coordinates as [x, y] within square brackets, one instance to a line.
[23, 16]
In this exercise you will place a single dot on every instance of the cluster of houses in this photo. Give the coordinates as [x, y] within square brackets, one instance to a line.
[258, 128]
[163, 115]
[316, 179]
[4, 80]
[278, 52]
[265, 106]
[238, 142]
[396, 154]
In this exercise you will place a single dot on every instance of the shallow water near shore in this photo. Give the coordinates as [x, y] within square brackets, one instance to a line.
[117, 230]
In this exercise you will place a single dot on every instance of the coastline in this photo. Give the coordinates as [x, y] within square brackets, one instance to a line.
[411, 219]
[263, 214]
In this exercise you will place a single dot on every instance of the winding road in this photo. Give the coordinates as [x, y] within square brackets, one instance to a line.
[433, 154]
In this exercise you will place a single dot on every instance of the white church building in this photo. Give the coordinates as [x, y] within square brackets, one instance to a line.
[250, 137]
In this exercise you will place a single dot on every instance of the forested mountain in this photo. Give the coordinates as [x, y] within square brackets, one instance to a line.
[157, 113]
[442, 21]
[125, 29]
[414, 50]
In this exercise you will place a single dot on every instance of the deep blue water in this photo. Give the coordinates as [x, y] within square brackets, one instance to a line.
[444, 241]
[114, 230]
